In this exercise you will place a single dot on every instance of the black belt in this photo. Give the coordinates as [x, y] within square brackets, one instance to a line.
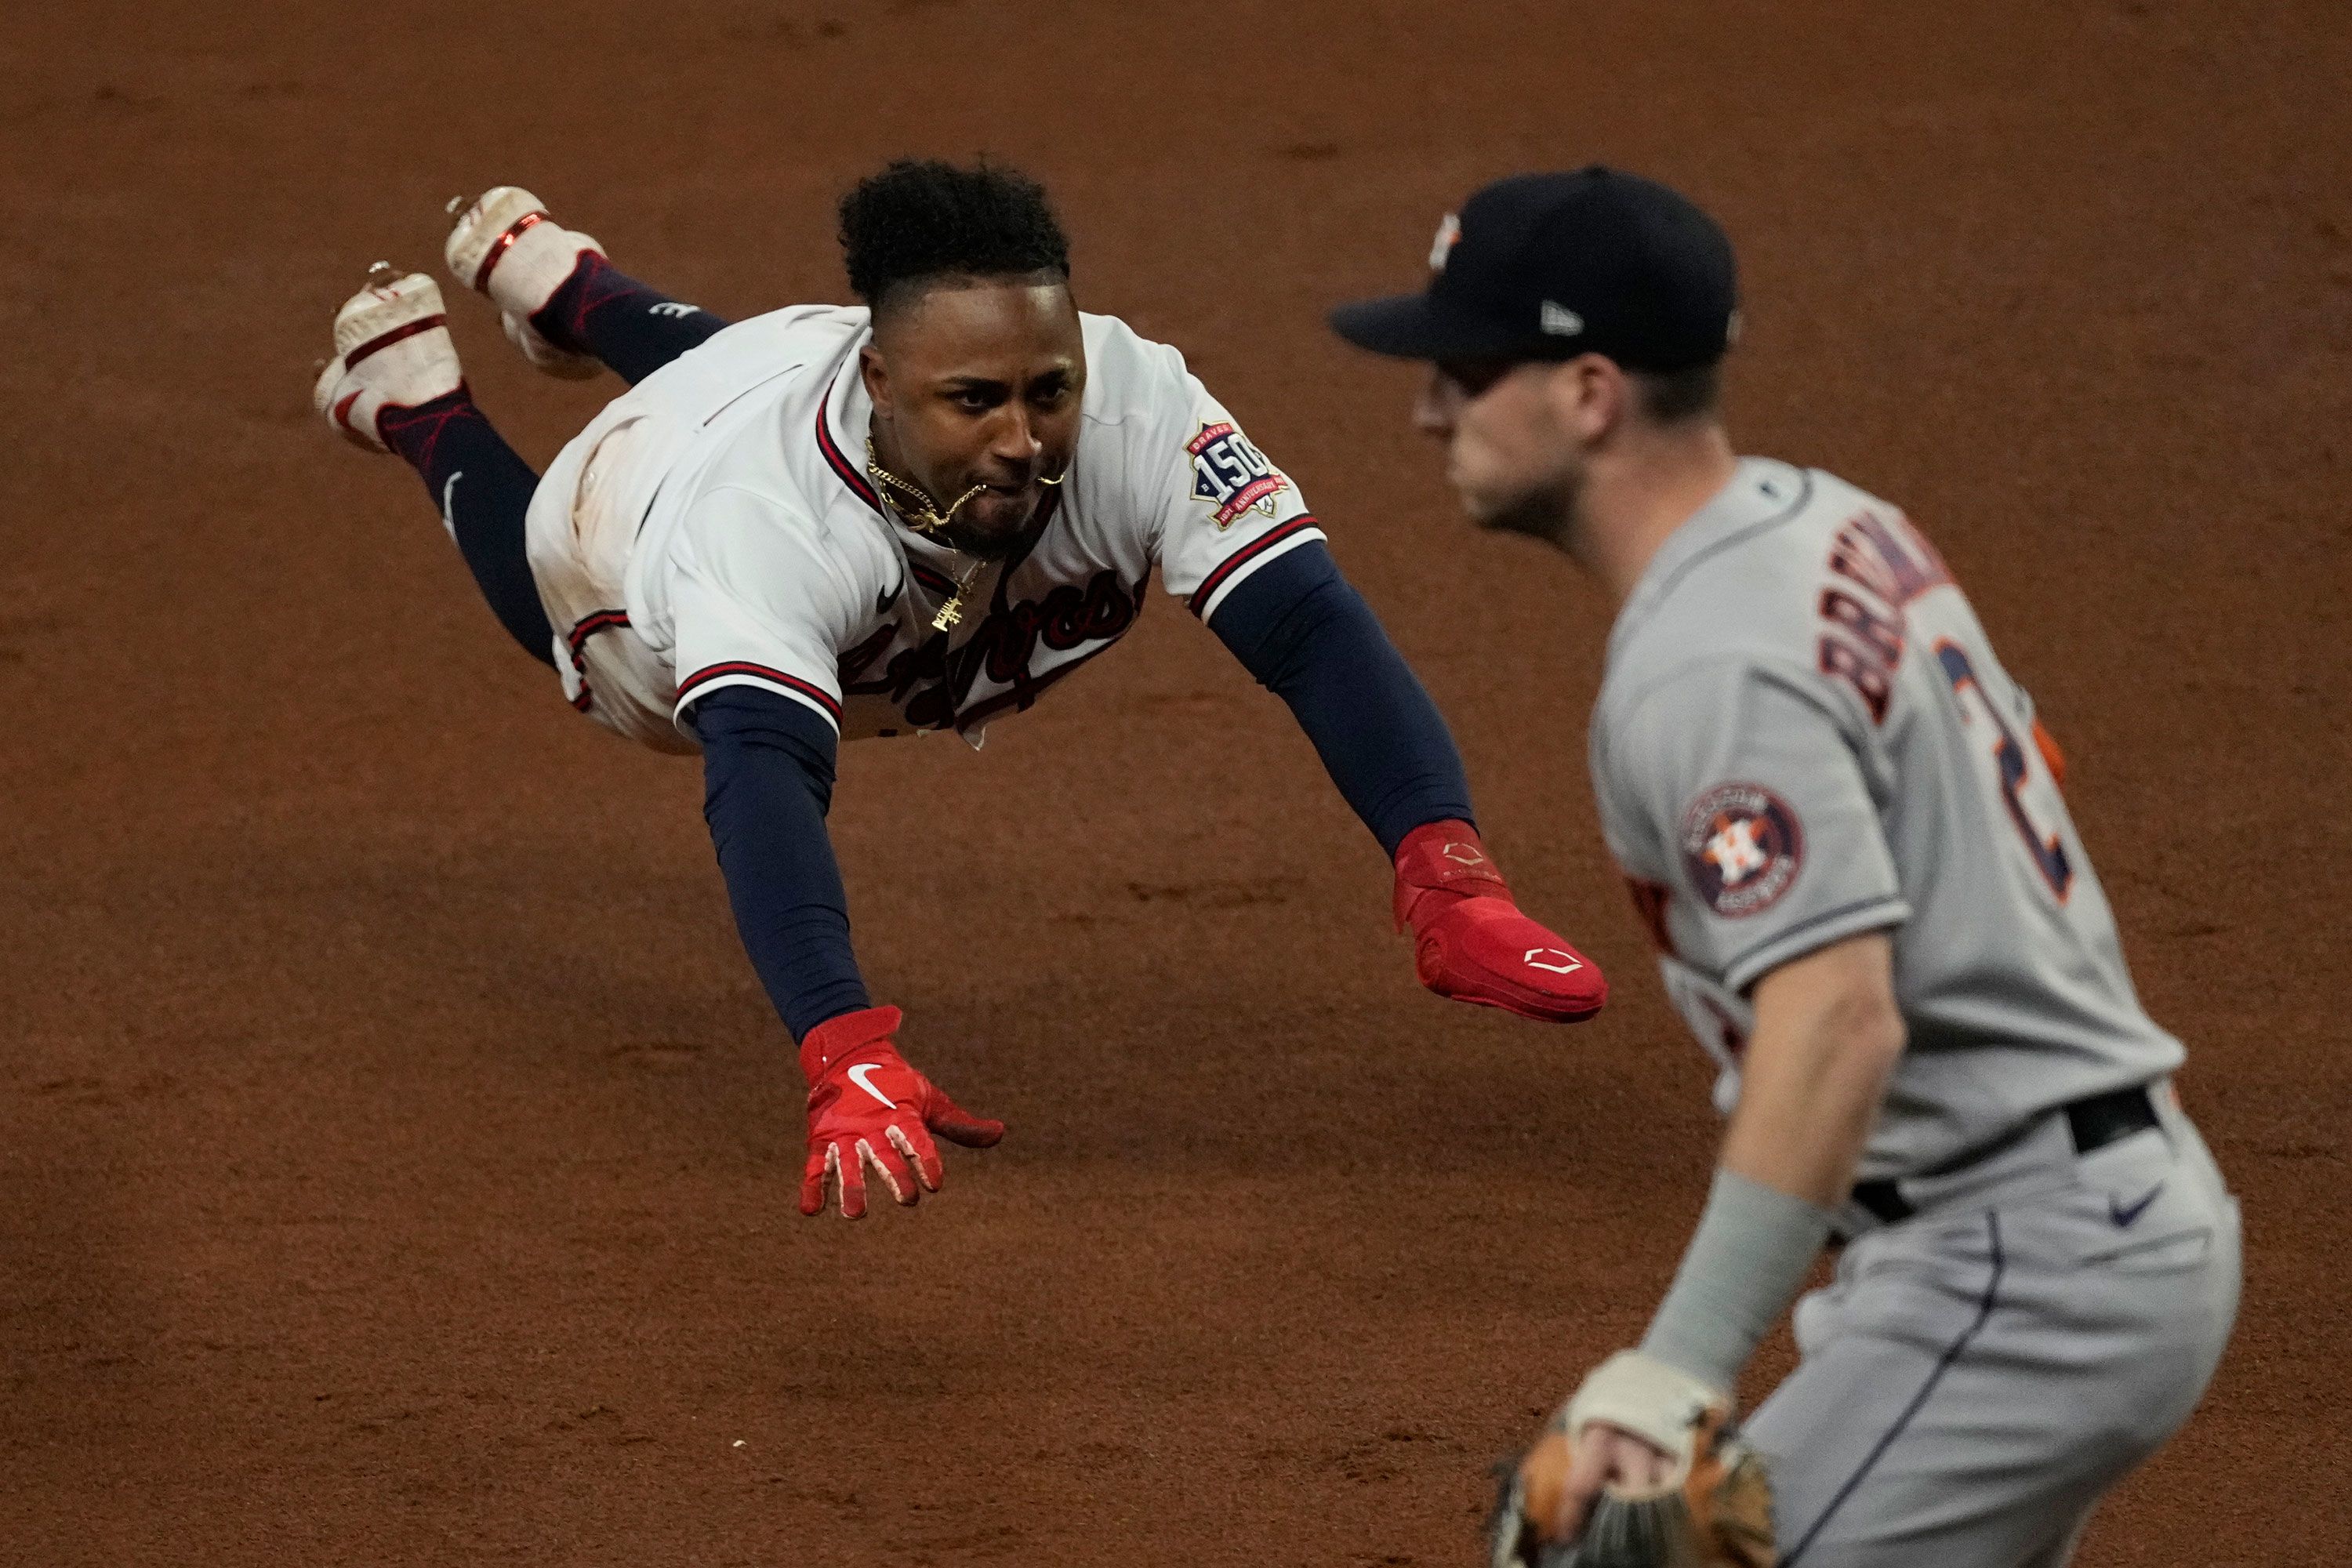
[2095, 1123]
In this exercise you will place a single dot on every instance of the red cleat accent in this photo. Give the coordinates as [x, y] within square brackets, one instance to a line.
[500, 245]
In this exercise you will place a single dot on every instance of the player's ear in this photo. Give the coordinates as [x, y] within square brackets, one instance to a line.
[1590, 397]
[876, 375]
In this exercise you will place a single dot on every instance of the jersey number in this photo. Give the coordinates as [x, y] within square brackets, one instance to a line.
[2011, 761]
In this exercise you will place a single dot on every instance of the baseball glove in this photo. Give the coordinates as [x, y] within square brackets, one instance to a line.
[1713, 1509]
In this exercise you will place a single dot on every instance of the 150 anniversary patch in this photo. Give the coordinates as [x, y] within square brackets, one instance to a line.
[1230, 474]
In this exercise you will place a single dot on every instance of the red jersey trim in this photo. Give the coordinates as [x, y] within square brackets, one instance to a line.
[705, 676]
[857, 481]
[1243, 557]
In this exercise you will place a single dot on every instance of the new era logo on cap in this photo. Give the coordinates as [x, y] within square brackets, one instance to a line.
[1559, 320]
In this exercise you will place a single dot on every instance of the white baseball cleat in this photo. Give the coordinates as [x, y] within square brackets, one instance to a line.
[505, 246]
[392, 350]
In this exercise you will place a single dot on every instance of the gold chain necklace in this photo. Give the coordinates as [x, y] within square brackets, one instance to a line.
[916, 508]
[910, 501]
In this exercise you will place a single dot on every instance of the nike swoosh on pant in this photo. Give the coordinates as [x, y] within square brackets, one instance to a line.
[448, 494]
[2123, 1214]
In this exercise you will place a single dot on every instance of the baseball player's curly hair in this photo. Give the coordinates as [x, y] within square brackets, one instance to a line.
[920, 219]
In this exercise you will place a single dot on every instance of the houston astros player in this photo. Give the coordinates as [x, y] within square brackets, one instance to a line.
[914, 515]
[1842, 826]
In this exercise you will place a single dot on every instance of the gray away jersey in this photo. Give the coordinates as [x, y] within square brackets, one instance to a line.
[1803, 735]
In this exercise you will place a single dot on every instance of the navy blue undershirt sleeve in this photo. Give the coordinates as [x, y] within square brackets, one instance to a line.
[1310, 639]
[766, 773]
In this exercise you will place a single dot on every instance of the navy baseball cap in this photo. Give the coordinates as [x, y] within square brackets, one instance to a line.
[1547, 267]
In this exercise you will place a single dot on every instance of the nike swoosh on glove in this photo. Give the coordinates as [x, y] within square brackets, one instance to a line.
[868, 1110]
[1471, 943]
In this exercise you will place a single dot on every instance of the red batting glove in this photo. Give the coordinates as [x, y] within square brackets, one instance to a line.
[1470, 942]
[867, 1108]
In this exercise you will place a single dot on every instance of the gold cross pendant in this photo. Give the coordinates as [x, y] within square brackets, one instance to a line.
[951, 612]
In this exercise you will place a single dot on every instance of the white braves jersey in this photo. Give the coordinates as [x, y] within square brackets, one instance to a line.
[763, 557]
[1803, 735]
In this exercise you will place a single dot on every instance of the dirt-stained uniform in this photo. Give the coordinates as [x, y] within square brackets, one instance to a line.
[714, 526]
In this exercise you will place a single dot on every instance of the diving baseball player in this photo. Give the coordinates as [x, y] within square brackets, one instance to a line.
[914, 515]
[1841, 823]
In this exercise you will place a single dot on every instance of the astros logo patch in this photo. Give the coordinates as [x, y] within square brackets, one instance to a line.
[1743, 847]
[1233, 475]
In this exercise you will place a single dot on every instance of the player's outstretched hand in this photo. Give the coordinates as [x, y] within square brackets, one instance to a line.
[868, 1111]
[1471, 943]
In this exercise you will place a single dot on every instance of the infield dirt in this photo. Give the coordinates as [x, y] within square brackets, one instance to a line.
[397, 1157]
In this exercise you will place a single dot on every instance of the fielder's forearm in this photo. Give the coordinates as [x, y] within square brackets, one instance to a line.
[1826, 1038]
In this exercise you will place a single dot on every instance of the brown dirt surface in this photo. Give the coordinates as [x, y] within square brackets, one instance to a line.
[397, 1157]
